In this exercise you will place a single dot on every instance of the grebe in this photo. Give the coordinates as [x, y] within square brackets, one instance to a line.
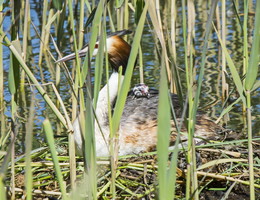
[138, 125]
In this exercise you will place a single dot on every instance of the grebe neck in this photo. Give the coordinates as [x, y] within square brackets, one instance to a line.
[108, 92]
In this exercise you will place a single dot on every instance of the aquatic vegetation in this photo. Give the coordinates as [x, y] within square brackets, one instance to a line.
[208, 54]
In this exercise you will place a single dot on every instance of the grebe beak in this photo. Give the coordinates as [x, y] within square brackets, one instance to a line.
[81, 53]
[84, 50]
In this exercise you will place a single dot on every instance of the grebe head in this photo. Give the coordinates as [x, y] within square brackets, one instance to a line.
[118, 50]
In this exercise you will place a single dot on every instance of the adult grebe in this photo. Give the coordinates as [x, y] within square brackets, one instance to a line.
[138, 125]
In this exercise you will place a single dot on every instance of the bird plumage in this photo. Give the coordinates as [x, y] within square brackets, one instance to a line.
[138, 125]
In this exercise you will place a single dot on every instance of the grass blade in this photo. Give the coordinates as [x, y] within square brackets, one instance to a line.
[251, 75]
[163, 137]
[28, 145]
[130, 66]
[254, 59]
[50, 139]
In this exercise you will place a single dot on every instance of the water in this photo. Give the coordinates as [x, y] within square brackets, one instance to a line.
[211, 88]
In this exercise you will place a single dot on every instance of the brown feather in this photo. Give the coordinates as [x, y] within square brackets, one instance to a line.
[118, 53]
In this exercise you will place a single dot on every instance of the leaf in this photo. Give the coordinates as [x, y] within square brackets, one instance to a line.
[254, 59]
[220, 161]
[138, 10]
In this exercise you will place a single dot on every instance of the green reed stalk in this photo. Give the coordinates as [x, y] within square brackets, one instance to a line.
[90, 150]
[44, 21]
[189, 93]
[224, 83]
[14, 81]
[173, 30]
[166, 172]
[12, 170]
[126, 15]
[141, 67]
[78, 82]
[119, 106]
[57, 85]
[93, 4]
[90, 153]
[47, 29]
[2, 116]
[250, 145]
[60, 22]
[94, 34]
[2, 188]
[156, 18]
[7, 161]
[191, 154]
[25, 43]
[99, 64]
[177, 88]
[245, 38]
[5, 164]
[121, 18]
[245, 51]
[50, 139]
[163, 137]
[131, 61]
[111, 22]
[28, 146]
[113, 147]
[218, 24]
[193, 104]
[81, 24]
[138, 11]
[252, 71]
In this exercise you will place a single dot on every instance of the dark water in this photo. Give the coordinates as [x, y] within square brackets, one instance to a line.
[211, 88]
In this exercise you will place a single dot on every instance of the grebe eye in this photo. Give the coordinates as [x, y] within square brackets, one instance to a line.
[96, 46]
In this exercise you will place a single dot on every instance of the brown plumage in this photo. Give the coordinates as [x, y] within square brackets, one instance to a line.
[118, 52]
